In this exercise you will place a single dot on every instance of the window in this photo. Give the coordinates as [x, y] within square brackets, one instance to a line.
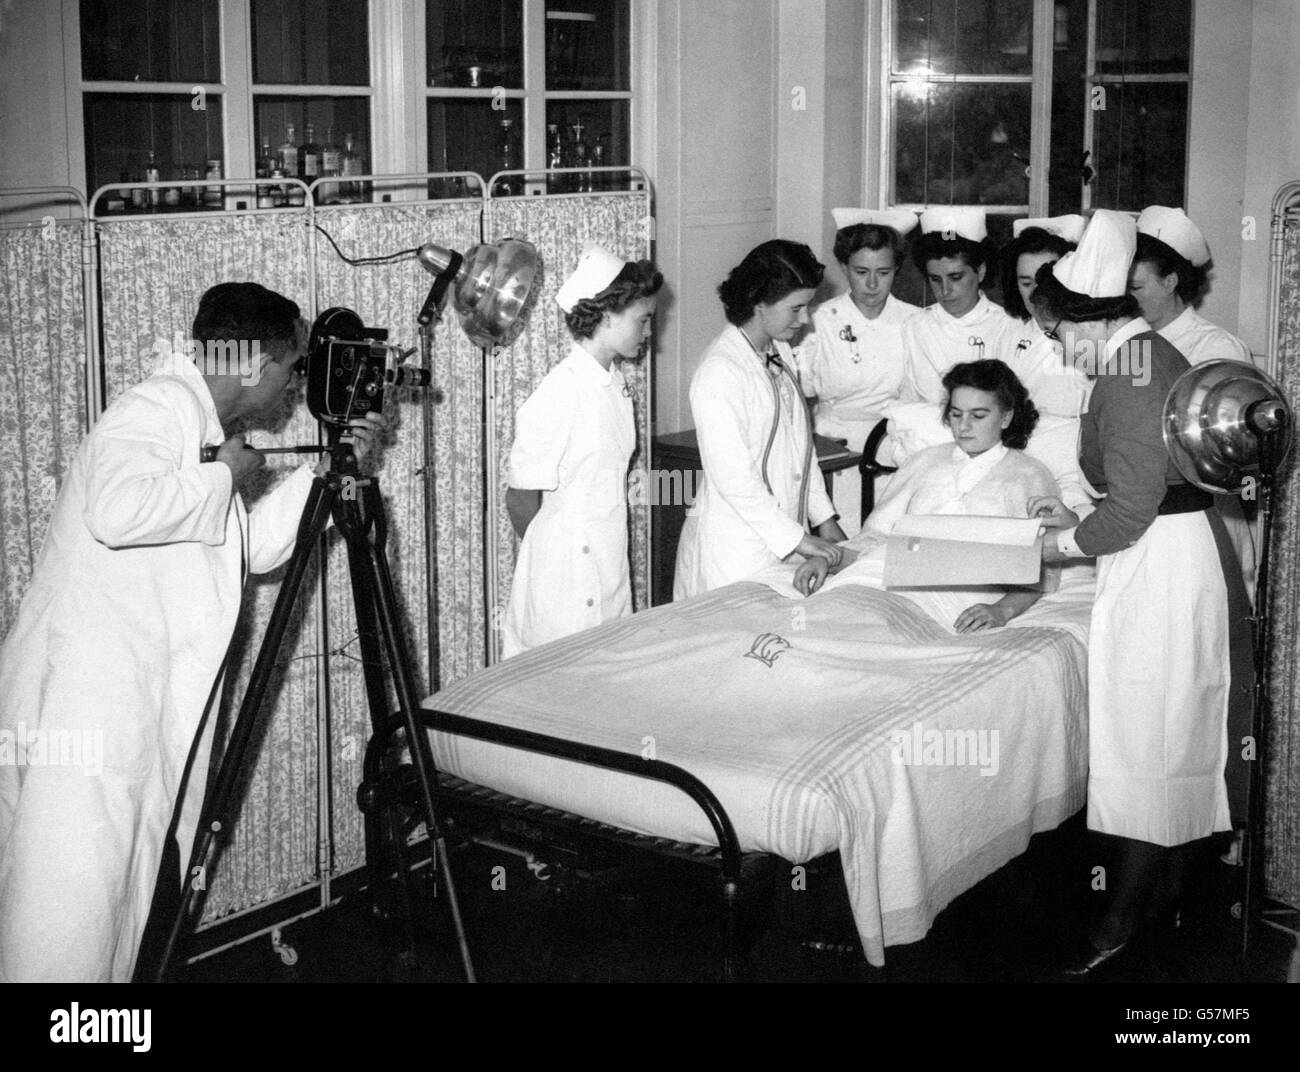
[983, 96]
[144, 67]
[1119, 104]
[170, 90]
[534, 84]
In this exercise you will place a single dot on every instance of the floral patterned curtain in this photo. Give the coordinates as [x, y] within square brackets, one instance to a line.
[42, 389]
[1282, 778]
[389, 296]
[560, 228]
[153, 272]
[298, 823]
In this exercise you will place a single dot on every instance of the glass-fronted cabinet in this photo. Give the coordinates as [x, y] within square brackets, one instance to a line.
[534, 85]
[149, 111]
[301, 47]
[257, 92]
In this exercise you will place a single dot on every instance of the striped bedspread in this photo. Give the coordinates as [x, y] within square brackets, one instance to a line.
[852, 720]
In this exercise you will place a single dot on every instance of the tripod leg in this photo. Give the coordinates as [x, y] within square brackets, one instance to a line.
[376, 774]
[378, 580]
[215, 817]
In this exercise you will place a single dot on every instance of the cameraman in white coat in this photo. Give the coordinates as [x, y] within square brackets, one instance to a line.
[120, 640]
[762, 487]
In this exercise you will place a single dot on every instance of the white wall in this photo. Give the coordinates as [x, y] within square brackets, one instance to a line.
[1221, 62]
[33, 109]
[715, 164]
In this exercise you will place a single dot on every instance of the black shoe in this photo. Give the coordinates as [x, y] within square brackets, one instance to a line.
[1087, 960]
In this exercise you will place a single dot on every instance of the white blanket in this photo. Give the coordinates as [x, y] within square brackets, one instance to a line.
[850, 721]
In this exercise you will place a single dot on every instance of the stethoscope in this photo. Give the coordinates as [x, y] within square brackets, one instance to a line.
[769, 359]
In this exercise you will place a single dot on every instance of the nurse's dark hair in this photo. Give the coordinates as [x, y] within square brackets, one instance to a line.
[858, 236]
[1056, 301]
[1030, 240]
[998, 380]
[244, 311]
[933, 246]
[637, 280]
[767, 274]
[1164, 260]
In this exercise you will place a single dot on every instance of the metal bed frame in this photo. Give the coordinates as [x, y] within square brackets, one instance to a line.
[470, 803]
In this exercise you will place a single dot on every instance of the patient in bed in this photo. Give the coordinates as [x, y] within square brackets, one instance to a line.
[984, 472]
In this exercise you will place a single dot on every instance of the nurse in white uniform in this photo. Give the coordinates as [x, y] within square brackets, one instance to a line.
[962, 325]
[574, 439]
[1169, 272]
[762, 488]
[1055, 388]
[1158, 650]
[853, 363]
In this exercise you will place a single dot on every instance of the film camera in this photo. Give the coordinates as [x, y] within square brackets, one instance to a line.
[348, 366]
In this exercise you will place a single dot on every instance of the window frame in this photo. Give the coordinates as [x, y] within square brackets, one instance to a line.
[398, 91]
[880, 140]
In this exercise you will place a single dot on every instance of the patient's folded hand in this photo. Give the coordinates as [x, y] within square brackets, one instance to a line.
[980, 616]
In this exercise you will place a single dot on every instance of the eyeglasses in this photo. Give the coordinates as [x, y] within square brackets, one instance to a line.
[1051, 333]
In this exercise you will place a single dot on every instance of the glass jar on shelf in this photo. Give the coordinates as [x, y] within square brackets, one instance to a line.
[507, 159]
[212, 195]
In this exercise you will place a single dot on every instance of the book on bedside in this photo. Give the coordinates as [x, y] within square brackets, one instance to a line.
[952, 550]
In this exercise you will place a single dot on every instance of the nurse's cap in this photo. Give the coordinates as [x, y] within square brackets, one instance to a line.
[1099, 267]
[902, 220]
[1068, 227]
[597, 269]
[965, 223]
[1172, 227]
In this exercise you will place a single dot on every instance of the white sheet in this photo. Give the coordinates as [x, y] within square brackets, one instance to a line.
[800, 744]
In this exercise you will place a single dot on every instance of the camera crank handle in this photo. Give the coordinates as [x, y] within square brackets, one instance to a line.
[209, 454]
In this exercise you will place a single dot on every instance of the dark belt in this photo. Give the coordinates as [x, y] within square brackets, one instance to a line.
[1184, 499]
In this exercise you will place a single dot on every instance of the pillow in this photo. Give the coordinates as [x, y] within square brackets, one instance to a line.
[913, 426]
[1055, 443]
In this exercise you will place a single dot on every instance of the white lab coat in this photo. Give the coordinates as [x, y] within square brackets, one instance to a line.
[120, 640]
[854, 380]
[1054, 387]
[736, 525]
[1198, 340]
[574, 438]
[936, 341]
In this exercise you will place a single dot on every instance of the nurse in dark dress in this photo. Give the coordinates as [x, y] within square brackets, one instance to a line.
[1158, 652]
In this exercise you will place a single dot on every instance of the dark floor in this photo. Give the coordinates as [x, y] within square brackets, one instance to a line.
[660, 924]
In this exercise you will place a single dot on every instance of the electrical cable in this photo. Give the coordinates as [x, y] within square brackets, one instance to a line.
[385, 259]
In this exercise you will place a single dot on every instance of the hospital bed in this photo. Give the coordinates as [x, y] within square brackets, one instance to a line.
[850, 722]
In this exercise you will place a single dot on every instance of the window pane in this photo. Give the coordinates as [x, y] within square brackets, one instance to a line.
[122, 130]
[961, 144]
[150, 40]
[963, 37]
[471, 135]
[322, 128]
[311, 42]
[588, 45]
[1069, 102]
[1141, 146]
[591, 133]
[1144, 36]
[475, 42]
